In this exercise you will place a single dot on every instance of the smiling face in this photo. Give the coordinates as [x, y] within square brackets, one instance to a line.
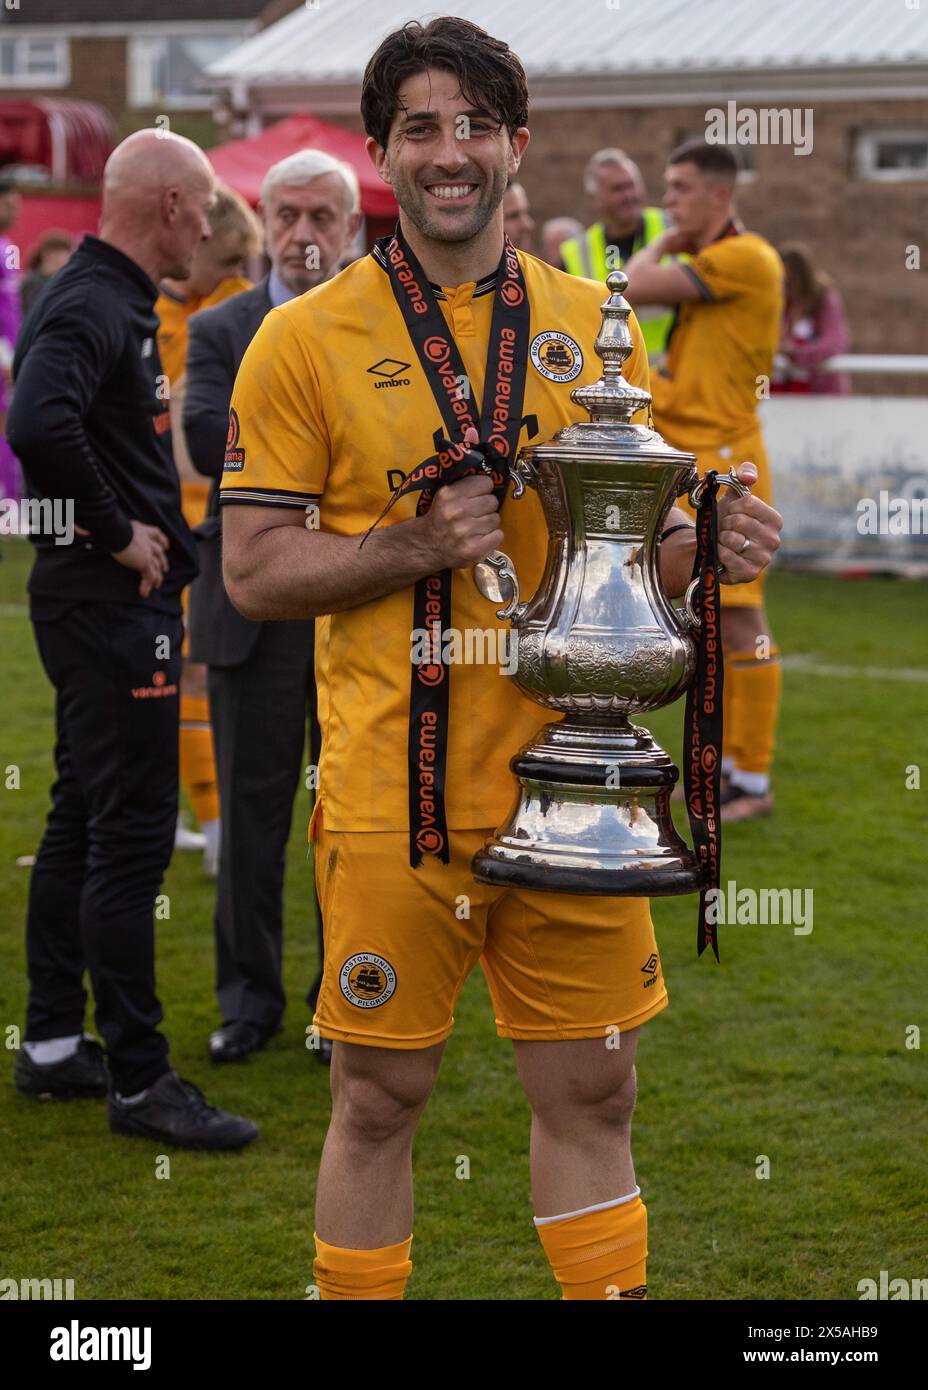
[447, 159]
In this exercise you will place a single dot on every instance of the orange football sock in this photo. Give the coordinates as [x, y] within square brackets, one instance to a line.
[197, 761]
[755, 708]
[599, 1252]
[371, 1274]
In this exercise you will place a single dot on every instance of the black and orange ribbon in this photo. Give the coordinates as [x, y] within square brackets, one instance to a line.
[499, 426]
[702, 735]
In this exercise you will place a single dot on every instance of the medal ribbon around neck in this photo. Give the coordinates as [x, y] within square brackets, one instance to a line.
[498, 429]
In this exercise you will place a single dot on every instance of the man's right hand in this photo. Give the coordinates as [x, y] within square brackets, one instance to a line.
[147, 553]
[462, 524]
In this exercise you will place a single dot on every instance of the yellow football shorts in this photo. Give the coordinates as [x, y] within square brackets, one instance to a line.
[400, 942]
[750, 449]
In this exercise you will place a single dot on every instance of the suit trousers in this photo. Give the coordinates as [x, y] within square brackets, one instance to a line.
[260, 711]
[110, 832]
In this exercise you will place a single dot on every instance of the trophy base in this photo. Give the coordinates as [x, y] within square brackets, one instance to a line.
[592, 816]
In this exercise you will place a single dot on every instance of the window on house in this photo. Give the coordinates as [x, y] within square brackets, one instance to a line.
[166, 71]
[35, 62]
[891, 154]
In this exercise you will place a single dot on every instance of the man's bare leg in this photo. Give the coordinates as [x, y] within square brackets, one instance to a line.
[582, 1095]
[590, 1218]
[364, 1193]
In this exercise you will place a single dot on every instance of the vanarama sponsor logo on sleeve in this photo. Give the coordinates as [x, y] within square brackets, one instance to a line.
[235, 456]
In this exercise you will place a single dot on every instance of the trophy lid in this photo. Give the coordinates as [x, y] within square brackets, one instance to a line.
[612, 399]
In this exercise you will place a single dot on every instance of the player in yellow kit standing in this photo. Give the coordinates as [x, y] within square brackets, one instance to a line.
[729, 299]
[444, 336]
[215, 275]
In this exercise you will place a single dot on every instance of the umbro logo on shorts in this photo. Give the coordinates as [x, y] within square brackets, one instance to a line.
[367, 981]
[389, 368]
[650, 969]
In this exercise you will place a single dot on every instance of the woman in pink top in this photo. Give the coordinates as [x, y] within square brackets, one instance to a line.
[814, 327]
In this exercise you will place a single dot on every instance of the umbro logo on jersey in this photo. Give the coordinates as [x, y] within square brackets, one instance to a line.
[389, 368]
[650, 969]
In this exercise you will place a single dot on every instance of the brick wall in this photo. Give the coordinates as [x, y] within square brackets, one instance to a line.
[98, 73]
[858, 230]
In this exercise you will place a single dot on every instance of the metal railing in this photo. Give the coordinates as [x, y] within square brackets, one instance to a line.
[899, 363]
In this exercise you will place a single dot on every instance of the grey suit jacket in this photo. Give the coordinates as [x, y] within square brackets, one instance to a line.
[219, 635]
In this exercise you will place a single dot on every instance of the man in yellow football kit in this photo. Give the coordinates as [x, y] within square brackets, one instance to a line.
[729, 299]
[214, 276]
[341, 396]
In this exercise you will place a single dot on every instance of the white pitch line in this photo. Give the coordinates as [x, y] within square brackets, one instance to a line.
[808, 665]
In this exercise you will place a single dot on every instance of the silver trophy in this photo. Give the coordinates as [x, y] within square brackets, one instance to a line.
[598, 642]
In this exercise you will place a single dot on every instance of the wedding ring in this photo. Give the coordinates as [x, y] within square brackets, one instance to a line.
[745, 546]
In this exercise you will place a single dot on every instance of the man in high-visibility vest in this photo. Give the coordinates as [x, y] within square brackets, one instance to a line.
[616, 191]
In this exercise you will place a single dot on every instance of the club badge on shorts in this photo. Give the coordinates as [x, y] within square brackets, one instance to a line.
[556, 355]
[367, 981]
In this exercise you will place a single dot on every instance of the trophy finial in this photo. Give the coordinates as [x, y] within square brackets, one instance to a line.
[612, 398]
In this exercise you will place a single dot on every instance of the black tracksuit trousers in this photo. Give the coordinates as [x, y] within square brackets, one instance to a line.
[110, 832]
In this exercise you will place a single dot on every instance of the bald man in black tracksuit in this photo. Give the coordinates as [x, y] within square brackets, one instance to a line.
[91, 427]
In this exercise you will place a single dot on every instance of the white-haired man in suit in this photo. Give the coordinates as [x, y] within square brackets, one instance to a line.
[260, 674]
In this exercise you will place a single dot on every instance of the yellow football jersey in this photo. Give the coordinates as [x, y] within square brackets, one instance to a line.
[330, 402]
[174, 314]
[705, 396]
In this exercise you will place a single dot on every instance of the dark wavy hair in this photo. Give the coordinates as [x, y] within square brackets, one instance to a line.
[489, 73]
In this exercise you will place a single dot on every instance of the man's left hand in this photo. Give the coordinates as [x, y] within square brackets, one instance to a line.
[746, 519]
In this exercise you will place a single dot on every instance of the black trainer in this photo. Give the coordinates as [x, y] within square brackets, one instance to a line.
[176, 1112]
[235, 1041]
[82, 1076]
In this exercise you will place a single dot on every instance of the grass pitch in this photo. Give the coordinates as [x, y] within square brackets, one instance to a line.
[794, 1048]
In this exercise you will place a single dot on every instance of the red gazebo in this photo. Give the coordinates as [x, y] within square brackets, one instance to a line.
[242, 164]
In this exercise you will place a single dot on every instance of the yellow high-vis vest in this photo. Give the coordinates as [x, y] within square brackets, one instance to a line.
[586, 256]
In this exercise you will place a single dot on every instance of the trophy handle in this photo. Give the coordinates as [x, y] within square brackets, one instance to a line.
[728, 479]
[523, 475]
[687, 613]
[497, 581]
[495, 574]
